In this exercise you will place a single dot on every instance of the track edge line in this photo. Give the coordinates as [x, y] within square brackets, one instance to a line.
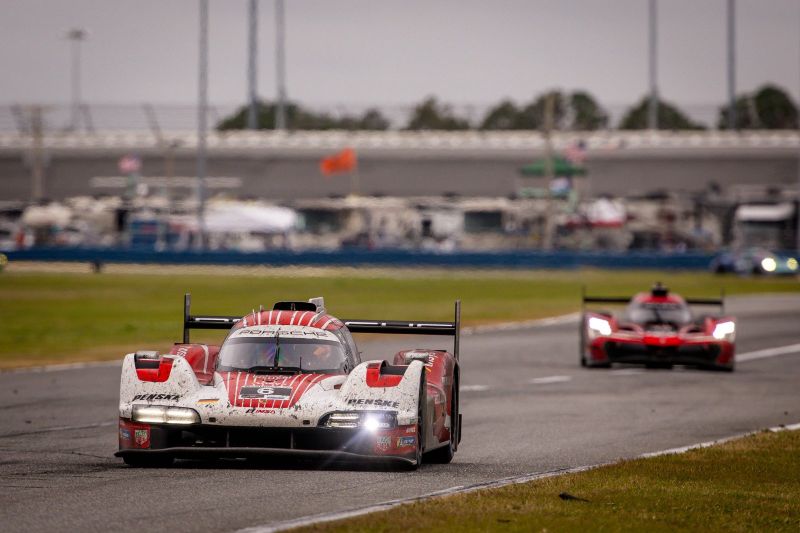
[513, 480]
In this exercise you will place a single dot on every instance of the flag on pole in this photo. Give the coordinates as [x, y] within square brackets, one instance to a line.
[339, 163]
[576, 153]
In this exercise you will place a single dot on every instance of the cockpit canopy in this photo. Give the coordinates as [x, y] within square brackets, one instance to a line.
[280, 349]
[676, 313]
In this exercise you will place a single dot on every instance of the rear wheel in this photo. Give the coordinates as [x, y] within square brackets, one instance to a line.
[582, 340]
[148, 461]
[445, 454]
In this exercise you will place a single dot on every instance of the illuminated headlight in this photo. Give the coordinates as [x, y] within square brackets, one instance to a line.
[769, 264]
[598, 326]
[368, 420]
[724, 330]
[157, 414]
[791, 263]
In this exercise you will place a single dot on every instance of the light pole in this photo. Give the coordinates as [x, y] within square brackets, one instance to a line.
[202, 112]
[731, 64]
[252, 71]
[280, 65]
[652, 108]
[76, 36]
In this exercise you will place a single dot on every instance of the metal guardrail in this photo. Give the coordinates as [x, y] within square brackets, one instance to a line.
[523, 259]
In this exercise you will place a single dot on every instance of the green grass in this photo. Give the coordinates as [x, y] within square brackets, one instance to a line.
[750, 484]
[58, 317]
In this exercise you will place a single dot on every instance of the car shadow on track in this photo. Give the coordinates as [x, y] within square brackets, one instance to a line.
[282, 463]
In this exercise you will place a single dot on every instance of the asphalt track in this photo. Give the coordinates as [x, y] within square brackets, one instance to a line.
[528, 407]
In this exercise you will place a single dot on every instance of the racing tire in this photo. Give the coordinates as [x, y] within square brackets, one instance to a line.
[445, 454]
[148, 461]
[582, 341]
[421, 408]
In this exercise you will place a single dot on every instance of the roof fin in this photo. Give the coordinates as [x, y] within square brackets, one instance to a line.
[659, 290]
[319, 302]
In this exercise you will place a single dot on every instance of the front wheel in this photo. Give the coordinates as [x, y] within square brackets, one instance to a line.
[421, 407]
[445, 454]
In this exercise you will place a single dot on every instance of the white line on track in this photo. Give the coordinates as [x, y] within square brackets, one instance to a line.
[525, 324]
[549, 379]
[473, 388]
[769, 352]
[384, 506]
[626, 372]
[507, 326]
[63, 366]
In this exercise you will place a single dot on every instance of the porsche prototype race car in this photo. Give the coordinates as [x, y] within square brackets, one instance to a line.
[658, 329]
[290, 382]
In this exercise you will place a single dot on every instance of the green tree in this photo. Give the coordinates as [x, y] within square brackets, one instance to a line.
[770, 107]
[532, 116]
[575, 111]
[431, 115]
[503, 116]
[669, 117]
[587, 115]
[303, 119]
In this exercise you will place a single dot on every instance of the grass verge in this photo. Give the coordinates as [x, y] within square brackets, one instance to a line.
[52, 317]
[750, 484]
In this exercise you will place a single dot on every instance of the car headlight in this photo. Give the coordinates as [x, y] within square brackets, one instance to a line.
[724, 330]
[599, 326]
[158, 414]
[368, 420]
[769, 264]
[791, 263]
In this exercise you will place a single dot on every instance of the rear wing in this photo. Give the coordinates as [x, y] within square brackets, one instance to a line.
[452, 329]
[624, 300]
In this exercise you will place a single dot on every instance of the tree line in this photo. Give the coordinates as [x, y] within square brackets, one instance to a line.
[769, 107]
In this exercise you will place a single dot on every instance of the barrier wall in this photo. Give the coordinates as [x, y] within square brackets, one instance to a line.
[386, 258]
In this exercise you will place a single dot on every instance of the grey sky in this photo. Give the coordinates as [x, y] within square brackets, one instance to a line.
[372, 51]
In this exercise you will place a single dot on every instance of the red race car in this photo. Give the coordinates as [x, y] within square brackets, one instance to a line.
[657, 329]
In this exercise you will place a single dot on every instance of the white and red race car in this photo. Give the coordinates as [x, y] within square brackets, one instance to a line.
[290, 382]
[657, 329]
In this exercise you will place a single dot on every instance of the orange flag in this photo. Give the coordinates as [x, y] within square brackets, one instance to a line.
[340, 163]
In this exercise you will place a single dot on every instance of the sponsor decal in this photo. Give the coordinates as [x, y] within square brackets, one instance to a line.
[284, 332]
[124, 434]
[411, 429]
[402, 442]
[151, 397]
[142, 437]
[207, 401]
[383, 442]
[375, 403]
[182, 351]
[261, 411]
[265, 393]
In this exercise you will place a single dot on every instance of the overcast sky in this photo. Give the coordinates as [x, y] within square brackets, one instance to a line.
[373, 51]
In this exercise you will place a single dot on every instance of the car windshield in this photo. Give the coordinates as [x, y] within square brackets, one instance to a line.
[659, 313]
[309, 355]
